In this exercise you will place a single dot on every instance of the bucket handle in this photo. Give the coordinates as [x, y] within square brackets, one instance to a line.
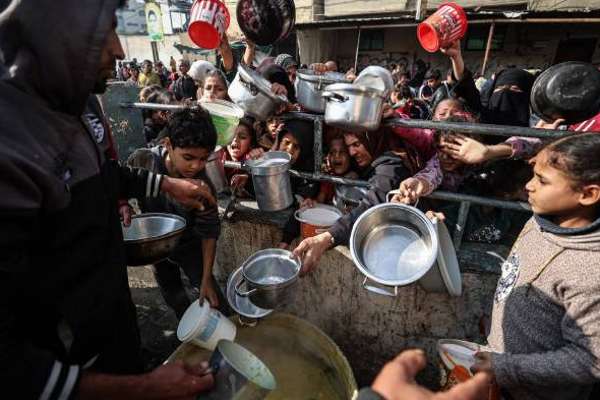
[379, 290]
[391, 194]
[332, 96]
[238, 289]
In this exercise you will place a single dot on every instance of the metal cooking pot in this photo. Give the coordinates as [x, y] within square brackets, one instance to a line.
[151, 237]
[215, 170]
[270, 275]
[354, 108]
[393, 245]
[347, 197]
[310, 86]
[239, 374]
[253, 94]
[376, 77]
[570, 90]
[271, 179]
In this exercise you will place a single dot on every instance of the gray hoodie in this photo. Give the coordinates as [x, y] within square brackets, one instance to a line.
[546, 319]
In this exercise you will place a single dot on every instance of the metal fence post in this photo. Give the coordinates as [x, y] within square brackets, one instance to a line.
[463, 214]
[318, 145]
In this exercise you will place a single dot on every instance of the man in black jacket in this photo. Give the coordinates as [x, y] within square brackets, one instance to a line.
[67, 322]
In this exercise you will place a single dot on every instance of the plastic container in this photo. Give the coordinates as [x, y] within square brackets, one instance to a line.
[204, 326]
[440, 29]
[225, 116]
[209, 19]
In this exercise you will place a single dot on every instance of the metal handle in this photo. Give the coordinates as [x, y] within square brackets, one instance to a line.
[379, 290]
[335, 97]
[243, 294]
[391, 193]
[252, 88]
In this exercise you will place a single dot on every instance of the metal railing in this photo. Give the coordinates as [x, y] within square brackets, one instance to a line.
[465, 200]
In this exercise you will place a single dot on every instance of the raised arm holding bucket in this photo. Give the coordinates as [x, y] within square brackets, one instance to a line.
[445, 26]
[209, 19]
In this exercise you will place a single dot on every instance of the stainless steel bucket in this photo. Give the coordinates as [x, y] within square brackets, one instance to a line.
[215, 170]
[270, 275]
[239, 374]
[271, 180]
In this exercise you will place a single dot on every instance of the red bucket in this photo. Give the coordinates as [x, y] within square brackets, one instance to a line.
[209, 19]
[446, 25]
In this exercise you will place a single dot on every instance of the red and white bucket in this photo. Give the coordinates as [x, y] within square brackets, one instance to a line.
[209, 19]
[440, 29]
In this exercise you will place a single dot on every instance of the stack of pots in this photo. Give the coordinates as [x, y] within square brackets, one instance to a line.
[358, 106]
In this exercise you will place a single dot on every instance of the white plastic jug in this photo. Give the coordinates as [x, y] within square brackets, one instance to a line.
[204, 326]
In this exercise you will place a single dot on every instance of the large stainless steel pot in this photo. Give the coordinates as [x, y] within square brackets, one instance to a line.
[239, 374]
[215, 170]
[271, 180]
[151, 237]
[253, 94]
[393, 245]
[270, 275]
[354, 108]
[310, 86]
[347, 197]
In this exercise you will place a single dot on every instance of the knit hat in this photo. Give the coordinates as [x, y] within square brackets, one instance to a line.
[286, 61]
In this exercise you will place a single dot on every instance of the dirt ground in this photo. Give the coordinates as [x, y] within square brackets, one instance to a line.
[158, 324]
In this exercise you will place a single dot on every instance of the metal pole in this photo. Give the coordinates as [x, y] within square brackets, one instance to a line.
[155, 51]
[488, 47]
[459, 231]
[318, 144]
[357, 49]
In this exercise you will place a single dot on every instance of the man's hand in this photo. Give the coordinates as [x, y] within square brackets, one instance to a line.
[311, 249]
[208, 292]
[453, 50]
[178, 381]
[411, 190]
[465, 149]
[396, 381]
[188, 192]
[278, 89]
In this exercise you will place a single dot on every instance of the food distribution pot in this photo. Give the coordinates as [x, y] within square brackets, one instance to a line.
[316, 219]
[354, 108]
[151, 237]
[310, 86]
[253, 94]
[269, 275]
[271, 179]
[393, 245]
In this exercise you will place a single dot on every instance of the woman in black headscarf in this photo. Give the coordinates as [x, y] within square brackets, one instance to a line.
[507, 101]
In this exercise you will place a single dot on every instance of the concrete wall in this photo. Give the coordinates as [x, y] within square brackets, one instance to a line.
[532, 45]
[369, 328]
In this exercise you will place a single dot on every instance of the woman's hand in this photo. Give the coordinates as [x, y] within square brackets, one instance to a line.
[311, 249]
[549, 125]
[411, 190]
[465, 149]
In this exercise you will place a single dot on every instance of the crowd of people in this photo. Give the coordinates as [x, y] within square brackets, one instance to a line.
[63, 258]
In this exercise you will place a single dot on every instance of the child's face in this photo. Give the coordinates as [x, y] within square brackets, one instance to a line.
[214, 89]
[446, 109]
[189, 161]
[290, 145]
[274, 125]
[338, 157]
[240, 145]
[160, 117]
[550, 190]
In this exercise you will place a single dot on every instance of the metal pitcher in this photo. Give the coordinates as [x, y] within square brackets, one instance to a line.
[271, 179]
[215, 170]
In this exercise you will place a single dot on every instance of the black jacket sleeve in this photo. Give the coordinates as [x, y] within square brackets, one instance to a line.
[135, 182]
[466, 89]
[386, 177]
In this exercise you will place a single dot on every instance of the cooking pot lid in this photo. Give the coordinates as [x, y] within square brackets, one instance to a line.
[223, 108]
[320, 215]
[242, 305]
[250, 76]
[447, 260]
[327, 78]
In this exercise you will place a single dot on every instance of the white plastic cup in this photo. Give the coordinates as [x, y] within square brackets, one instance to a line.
[204, 326]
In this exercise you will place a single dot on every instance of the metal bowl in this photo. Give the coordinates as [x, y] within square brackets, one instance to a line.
[151, 237]
[393, 244]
